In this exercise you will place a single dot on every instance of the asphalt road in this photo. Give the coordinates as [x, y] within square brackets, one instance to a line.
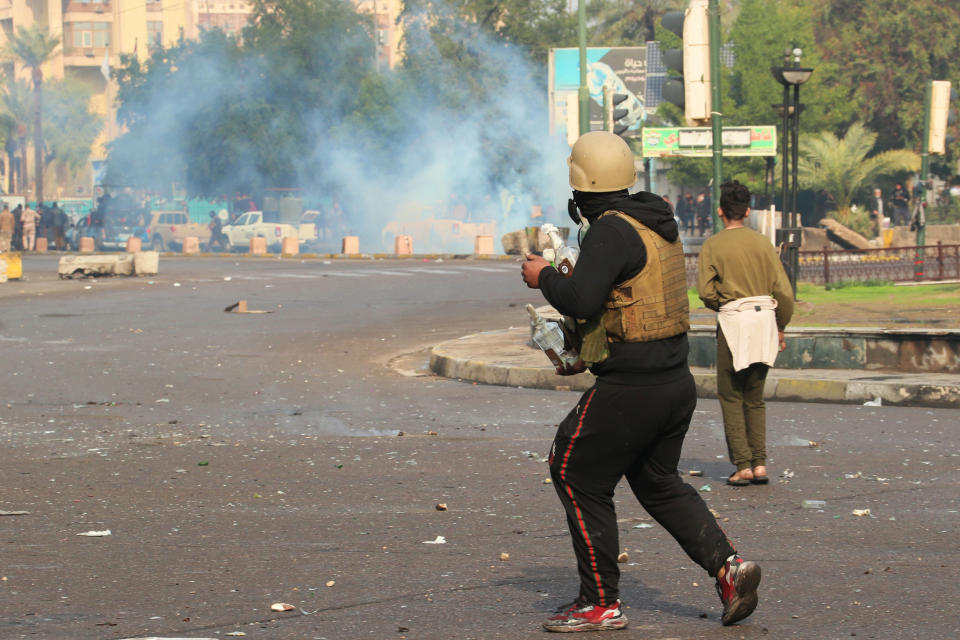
[241, 460]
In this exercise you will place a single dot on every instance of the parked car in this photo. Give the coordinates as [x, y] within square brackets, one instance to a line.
[251, 225]
[167, 229]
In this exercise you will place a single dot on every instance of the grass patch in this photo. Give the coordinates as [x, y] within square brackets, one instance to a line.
[871, 304]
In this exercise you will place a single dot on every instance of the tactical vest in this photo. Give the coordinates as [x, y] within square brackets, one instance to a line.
[651, 305]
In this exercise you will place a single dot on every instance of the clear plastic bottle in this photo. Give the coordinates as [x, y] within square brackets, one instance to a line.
[549, 337]
[563, 256]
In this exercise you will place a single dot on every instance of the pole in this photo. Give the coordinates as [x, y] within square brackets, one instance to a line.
[584, 92]
[795, 153]
[924, 173]
[785, 180]
[715, 111]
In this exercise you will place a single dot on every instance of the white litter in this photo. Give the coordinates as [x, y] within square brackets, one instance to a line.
[438, 540]
[876, 402]
[96, 534]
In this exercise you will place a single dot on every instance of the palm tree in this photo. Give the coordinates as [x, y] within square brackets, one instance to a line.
[33, 46]
[15, 115]
[840, 166]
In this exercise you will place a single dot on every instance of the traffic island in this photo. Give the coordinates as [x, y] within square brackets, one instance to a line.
[506, 358]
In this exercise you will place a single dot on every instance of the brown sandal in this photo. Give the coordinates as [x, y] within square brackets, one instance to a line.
[736, 480]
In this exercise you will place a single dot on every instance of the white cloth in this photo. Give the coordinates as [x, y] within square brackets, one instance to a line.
[750, 328]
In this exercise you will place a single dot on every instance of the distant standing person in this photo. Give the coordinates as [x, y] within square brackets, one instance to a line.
[7, 223]
[59, 227]
[901, 205]
[29, 219]
[741, 277]
[704, 216]
[876, 211]
[217, 236]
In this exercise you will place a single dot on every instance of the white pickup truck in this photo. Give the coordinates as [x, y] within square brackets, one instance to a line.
[251, 225]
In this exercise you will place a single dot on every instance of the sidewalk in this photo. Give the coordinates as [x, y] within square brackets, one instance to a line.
[505, 358]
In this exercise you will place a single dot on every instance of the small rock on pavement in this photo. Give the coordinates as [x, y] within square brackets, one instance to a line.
[504, 556]
[623, 557]
[441, 506]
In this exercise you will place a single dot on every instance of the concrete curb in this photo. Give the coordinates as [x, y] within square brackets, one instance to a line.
[501, 358]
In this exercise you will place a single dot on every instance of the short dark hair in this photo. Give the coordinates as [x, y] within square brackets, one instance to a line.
[734, 199]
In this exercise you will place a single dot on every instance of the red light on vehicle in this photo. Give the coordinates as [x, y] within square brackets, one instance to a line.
[278, 232]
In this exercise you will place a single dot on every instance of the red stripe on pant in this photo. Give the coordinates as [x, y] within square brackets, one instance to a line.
[583, 526]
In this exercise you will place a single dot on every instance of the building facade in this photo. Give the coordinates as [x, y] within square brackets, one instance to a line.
[95, 33]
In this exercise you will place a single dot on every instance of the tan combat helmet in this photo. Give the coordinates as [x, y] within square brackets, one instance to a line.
[601, 161]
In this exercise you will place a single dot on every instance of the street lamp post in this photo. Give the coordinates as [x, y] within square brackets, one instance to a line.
[791, 74]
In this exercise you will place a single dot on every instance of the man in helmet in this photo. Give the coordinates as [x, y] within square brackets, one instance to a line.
[628, 295]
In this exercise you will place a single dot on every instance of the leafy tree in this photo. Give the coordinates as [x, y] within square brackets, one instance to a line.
[16, 113]
[33, 46]
[73, 128]
[885, 52]
[627, 23]
[840, 167]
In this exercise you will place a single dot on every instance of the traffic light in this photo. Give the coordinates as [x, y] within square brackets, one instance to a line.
[941, 115]
[611, 114]
[691, 90]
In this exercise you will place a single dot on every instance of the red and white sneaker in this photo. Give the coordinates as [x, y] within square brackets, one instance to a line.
[587, 617]
[738, 589]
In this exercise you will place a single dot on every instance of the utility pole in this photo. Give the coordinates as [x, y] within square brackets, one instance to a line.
[584, 92]
[920, 219]
[716, 112]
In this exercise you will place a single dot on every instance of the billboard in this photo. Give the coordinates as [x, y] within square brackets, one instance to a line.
[697, 142]
[622, 69]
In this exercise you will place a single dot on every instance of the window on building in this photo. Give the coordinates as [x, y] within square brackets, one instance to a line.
[91, 34]
[154, 33]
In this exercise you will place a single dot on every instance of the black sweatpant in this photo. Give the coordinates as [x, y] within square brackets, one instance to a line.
[634, 431]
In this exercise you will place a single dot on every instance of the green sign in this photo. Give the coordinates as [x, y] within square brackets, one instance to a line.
[697, 142]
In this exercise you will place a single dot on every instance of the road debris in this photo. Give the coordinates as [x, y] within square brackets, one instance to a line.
[96, 534]
[330, 583]
[240, 306]
[876, 402]
[437, 540]
[706, 487]
[441, 506]
[861, 512]
[14, 513]
[696, 473]
[623, 557]
[282, 606]
[504, 557]
[643, 525]
[813, 504]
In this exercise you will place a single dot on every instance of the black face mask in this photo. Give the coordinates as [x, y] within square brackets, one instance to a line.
[574, 212]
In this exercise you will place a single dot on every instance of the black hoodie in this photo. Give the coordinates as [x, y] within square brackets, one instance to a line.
[612, 252]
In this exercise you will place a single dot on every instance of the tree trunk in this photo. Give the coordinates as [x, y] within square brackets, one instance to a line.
[38, 132]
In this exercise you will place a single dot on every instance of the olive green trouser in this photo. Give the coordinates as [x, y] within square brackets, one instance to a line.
[744, 411]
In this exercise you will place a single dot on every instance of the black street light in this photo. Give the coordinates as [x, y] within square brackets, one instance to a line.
[791, 74]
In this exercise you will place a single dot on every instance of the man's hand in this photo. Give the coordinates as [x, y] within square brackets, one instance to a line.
[571, 369]
[531, 270]
[781, 340]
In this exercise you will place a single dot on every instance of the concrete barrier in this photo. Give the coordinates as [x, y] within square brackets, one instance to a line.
[351, 245]
[403, 245]
[85, 244]
[146, 263]
[40, 246]
[258, 246]
[99, 265]
[191, 245]
[134, 244]
[483, 245]
[290, 246]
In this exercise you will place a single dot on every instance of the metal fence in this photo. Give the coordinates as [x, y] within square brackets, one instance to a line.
[900, 264]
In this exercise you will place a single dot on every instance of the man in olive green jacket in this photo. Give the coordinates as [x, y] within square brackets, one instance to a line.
[740, 276]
